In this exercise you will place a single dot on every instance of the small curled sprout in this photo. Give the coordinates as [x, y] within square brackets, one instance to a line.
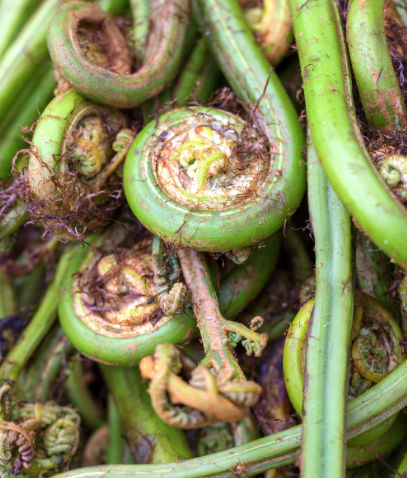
[202, 401]
[376, 348]
[393, 170]
[43, 434]
[61, 438]
[17, 446]
[71, 176]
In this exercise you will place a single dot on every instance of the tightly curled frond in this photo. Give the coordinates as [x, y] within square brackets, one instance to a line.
[201, 400]
[71, 178]
[212, 172]
[17, 446]
[61, 439]
[393, 170]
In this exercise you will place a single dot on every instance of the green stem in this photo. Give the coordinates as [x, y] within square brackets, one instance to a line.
[371, 407]
[198, 77]
[13, 15]
[115, 447]
[39, 325]
[377, 82]
[29, 104]
[28, 388]
[329, 333]
[394, 437]
[51, 366]
[79, 394]
[25, 55]
[13, 219]
[334, 127]
[151, 440]
[30, 289]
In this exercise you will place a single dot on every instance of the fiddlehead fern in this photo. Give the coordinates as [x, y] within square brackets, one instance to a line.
[210, 171]
[17, 447]
[111, 311]
[41, 438]
[376, 351]
[61, 439]
[77, 148]
[393, 170]
[232, 171]
[201, 400]
[88, 62]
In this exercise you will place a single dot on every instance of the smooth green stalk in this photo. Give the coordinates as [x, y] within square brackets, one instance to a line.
[151, 440]
[24, 55]
[79, 394]
[115, 446]
[334, 127]
[26, 109]
[39, 325]
[198, 77]
[123, 90]
[329, 333]
[371, 407]
[400, 463]
[8, 303]
[378, 86]
[141, 11]
[29, 381]
[13, 15]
